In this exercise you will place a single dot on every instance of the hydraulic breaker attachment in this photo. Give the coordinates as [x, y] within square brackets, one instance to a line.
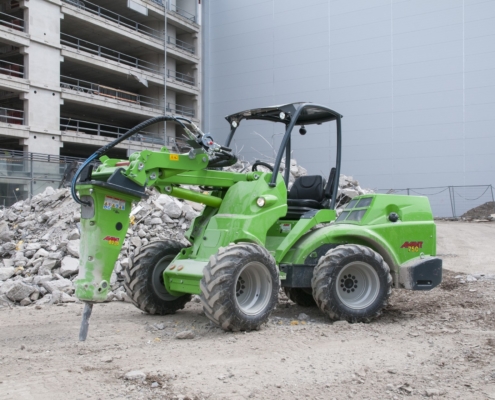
[104, 224]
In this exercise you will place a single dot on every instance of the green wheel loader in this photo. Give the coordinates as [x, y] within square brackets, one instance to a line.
[253, 236]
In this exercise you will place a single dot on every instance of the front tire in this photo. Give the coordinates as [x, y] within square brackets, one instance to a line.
[352, 283]
[144, 278]
[239, 288]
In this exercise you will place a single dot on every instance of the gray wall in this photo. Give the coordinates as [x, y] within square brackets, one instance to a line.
[414, 79]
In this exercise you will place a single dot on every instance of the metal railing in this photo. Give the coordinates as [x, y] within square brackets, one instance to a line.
[183, 13]
[117, 18]
[11, 69]
[180, 110]
[121, 58]
[180, 44]
[11, 22]
[11, 116]
[471, 202]
[93, 128]
[81, 86]
[180, 77]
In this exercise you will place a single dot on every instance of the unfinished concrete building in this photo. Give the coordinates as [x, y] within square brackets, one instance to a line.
[75, 75]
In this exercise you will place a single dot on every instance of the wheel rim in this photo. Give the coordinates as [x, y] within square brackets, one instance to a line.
[357, 285]
[157, 279]
[253, 288]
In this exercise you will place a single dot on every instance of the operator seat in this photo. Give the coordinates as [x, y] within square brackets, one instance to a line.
[307, 193]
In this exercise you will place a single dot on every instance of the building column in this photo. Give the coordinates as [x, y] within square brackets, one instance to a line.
[42, 66]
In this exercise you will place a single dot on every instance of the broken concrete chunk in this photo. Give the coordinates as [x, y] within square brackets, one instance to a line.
[6, 273]
[74, 234]
[73, 247]
[70, 266]
[19, 291]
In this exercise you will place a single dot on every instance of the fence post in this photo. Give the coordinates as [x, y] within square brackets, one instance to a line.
[493, 201]
[31, 186]
[452, 200]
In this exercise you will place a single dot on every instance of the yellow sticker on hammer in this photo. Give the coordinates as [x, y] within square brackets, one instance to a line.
[174, 157]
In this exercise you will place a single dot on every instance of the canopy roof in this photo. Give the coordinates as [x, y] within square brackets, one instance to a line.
[311, 114]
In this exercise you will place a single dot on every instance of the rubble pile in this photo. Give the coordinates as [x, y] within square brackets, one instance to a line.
[485, 211]
[39, 239]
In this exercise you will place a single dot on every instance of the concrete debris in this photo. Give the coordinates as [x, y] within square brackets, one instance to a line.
[135, 376]
[6, 273]
[483, 212]
[70, 266]
[40, 238]
[185, 335]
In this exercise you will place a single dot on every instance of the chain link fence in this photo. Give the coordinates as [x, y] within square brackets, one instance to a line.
[473, 201]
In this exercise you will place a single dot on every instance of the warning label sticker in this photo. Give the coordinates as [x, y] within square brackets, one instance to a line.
[285, 228]
[112, 203]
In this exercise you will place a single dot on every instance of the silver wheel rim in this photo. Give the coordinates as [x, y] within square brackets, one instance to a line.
[253, 288]
[157, 279]
[357, 285]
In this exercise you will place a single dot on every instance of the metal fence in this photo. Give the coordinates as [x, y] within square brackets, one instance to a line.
[11, 22]
[180, 44]
[117, 18]
[93, 128]
[23, 174]
[454, 201]
[11, 69]
[81, 86]
[11, 116]
[180, 110]
[180, 11]
[121, 58]
[180, 77]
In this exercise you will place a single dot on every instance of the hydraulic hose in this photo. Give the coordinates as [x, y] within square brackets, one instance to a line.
[101, 151]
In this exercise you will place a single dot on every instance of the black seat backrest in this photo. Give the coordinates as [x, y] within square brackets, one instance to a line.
[308, 187]
[329, 187]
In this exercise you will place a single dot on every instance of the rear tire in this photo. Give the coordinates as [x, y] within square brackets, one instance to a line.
[352, 283]
[144, 278]
[300, 296]
[239, 288]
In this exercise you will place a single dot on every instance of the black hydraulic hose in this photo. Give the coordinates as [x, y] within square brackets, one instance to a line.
[101, 151]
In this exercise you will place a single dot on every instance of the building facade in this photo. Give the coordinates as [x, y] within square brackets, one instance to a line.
[414, 79]
[76, 74]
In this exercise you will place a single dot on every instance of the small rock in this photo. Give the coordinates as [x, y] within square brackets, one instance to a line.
[106, 359]
[432, 392]
[6, 273]
[136, 241]
[185, 335]
[70, 266]
[73, 247]
[160, 327]
[340, 323]
[155, 385]
[19, 291]
[303, 317]
[135, 376]
[25, 302]
[74, 234]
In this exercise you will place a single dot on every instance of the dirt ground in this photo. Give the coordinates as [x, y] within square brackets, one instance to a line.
[427, 344]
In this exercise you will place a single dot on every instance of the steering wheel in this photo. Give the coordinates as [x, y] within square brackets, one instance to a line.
[264, 164]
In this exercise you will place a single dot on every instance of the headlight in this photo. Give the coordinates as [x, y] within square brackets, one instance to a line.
[260, 201]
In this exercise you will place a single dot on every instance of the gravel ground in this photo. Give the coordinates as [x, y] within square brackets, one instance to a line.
[427, 344]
